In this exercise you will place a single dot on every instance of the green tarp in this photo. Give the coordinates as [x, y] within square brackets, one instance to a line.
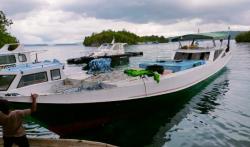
[136, 73]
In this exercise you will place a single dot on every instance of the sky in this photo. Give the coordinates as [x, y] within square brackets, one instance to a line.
[68, 21]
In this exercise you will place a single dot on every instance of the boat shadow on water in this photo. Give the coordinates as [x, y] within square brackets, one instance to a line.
[133, 122]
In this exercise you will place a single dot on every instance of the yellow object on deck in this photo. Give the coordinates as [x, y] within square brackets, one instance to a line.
[63, 143]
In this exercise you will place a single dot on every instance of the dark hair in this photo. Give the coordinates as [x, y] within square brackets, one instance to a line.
[4, 106]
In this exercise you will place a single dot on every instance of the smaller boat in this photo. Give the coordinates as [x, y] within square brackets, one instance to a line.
[15, 54]
[115, 51]
[23, 75]
[10, 58]
[109, 49]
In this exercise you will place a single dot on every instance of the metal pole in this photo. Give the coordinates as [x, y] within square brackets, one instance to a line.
[36, 58]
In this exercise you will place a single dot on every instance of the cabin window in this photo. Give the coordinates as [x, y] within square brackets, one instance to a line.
[5, 81]
[217, 54]
[192, 56]
[55, 74]
[196, 56]
[181, 56]
[33, 79]
[22, 58]
[9, 59]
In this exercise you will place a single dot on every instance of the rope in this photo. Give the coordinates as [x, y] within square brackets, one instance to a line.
[145, 88]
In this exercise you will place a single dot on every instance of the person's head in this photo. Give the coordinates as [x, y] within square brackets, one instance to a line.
[4, 106]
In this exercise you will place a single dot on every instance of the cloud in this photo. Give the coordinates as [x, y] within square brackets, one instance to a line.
[57, 21]
[13, 7]
[161, 11]
[57, 26]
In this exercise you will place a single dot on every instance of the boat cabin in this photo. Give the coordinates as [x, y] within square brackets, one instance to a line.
[206, 55]
[193, 55]
[24, 75]
[196, 49]
[11, 58]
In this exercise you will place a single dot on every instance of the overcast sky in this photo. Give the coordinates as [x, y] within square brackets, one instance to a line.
[65, 21]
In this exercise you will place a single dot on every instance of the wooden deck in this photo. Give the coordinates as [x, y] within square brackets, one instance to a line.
[63, 143]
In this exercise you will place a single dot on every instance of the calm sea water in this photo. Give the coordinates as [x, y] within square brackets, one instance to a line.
[213, 113]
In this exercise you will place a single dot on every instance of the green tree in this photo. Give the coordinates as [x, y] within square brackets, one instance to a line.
[123, 36]
[5, 37]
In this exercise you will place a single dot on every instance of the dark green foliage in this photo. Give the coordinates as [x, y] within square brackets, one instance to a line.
[120, 36]
[153, 38]
[5, 37]
[243, 37]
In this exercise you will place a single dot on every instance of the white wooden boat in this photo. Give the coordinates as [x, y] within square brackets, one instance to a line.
[11, 58]
[47, 78]
[17, 56]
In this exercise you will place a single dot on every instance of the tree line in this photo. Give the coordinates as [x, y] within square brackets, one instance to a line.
[96, 39]
[243, 37]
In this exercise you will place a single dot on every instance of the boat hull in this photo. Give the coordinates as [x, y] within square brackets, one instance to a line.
[131, 90]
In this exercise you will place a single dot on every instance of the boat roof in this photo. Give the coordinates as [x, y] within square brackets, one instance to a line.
[201, 36]
[31, 67]
[5, 50]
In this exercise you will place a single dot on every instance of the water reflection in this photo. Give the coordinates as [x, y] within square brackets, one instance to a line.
[146, 122]
[201, 103]
[34, 130]
[208, 99]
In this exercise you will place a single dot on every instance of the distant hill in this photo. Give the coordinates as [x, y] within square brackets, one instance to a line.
[63, 44]
[96, 39]
[35, 44]
[57, 44]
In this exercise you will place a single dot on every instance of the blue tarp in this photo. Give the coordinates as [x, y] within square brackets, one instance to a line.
[175, 66]
[100, 65]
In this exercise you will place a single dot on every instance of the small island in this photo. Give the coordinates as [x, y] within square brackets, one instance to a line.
[6, 38]
[243, 37]
[96, 39]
